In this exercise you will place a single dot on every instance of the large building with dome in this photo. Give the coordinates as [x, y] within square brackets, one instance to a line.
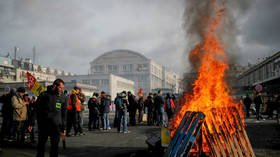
[144, 72]
[119, 70]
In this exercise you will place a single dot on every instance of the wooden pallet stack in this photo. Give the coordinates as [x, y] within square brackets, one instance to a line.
[225, 137]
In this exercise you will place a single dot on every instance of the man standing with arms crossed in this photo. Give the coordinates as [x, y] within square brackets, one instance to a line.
[51, 116]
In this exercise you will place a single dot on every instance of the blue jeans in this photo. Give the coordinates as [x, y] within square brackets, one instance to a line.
[161, 116]
[122, 120]
[106, 121]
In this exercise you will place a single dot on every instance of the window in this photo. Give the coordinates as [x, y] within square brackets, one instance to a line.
[98, 68]
[95, 82]
[112, 68]
[85, 81]
[104, 81]
[142, 67]
[127, 68]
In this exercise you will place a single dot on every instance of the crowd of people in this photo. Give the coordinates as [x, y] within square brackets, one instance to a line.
[129, 110]
[253, 105]
[55, 112]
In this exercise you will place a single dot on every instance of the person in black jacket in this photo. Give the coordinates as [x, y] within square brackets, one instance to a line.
[247, 102]
[93, 107]
[7, 114]
[31, 116]
[51, 117]
[132, 108]
[258, 101]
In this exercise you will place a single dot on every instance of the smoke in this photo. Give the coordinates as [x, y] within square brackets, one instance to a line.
[197, 17]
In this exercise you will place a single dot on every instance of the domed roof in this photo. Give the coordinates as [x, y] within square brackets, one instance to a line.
[120, 53]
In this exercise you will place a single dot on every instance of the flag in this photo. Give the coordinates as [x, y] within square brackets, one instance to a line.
[33, 85]
[140, 92]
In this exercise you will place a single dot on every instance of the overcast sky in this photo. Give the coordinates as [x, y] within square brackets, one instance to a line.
[68, 34]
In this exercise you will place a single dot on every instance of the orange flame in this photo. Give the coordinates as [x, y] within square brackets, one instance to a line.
[210, 92]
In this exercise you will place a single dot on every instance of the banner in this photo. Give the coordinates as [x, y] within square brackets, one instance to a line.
[33, 85]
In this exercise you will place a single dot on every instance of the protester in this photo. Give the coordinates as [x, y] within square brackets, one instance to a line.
[140, 107]
[169, 106]
[106, 110]
[7, 114]
[74, 113]
[247, 101]
[101, 108]
[51, 116]
[31, 116]
[121, 106]
[258, 102]
[159, 106]
[82, 98]
[132, 108]
[150, 105]
[19, 114]
[93, 107]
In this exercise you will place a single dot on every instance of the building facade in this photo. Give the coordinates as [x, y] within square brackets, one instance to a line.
[266, 73]
[144, 72]
[12, 70]
[109, 83]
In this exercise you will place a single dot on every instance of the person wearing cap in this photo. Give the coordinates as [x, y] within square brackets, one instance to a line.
[19, 114]
[51, 117]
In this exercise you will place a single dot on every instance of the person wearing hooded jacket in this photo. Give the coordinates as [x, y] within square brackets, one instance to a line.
[51, 117]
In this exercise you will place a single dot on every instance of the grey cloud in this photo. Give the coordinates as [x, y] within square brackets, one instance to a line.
[68, 34]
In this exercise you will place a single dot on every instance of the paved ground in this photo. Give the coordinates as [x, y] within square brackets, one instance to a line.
[264, 137]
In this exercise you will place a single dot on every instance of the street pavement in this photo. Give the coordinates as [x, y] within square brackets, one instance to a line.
[264, 136]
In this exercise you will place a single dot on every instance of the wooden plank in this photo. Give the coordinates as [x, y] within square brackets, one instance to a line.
[191, 135]
[243, 143]
[178, 132]
[237, 145]
[248, 143]
[182, 134]
[216, 138]
[212, 144]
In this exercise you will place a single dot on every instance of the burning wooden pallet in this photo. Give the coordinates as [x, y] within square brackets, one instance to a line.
[224, 138]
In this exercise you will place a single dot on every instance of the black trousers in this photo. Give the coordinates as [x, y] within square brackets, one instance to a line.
[132, 118]
[71, 121]
[93, 121]
[46, 131]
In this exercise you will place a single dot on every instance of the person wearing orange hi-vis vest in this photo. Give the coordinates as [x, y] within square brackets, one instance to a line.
[74, 105]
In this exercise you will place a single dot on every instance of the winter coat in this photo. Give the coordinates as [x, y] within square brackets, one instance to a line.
[20, 109]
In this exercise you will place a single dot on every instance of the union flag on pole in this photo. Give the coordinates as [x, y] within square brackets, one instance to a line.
[33, 85]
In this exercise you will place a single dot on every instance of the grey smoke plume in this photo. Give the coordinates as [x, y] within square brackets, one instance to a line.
[195, 11]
